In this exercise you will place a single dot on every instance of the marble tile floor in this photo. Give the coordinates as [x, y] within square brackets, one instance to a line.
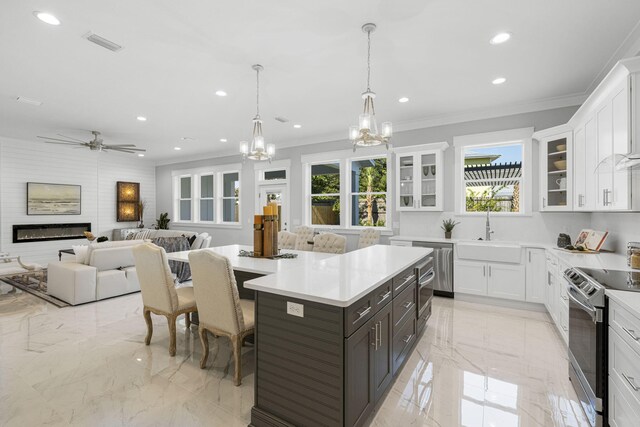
[476, 365]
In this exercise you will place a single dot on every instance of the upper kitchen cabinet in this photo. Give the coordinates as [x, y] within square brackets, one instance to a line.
[605, 130]
[419, 177]
[556, 168]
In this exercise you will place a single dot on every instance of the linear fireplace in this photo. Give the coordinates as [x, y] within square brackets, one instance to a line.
[41, 232]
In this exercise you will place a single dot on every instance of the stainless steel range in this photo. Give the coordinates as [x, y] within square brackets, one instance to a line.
[587, 334]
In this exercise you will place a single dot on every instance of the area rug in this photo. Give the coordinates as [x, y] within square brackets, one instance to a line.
[30, 285]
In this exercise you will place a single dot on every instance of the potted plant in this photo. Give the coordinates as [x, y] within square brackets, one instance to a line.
[448, 225]
[162, 223]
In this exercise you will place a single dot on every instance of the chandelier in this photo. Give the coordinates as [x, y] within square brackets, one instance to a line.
[258, 150]
[366, 133]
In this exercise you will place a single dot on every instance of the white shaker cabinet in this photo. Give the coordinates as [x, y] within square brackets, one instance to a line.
[535, 271]
[419, 177]
[470, 277]
[585, 140]
[556, 168]
[493, 279]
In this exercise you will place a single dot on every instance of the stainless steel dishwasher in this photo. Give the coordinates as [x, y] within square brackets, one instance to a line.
[442, 265]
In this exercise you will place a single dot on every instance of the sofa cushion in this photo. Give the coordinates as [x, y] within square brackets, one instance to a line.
[112, 258]
[71, 282]
[81, 253]
[111, 283]
[132, 279]
[112, 244]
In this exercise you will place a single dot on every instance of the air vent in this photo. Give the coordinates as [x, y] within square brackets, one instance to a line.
[29, 101]
[101, 41]
[282, 119]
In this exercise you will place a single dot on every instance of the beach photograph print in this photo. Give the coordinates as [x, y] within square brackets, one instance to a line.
[53, 199]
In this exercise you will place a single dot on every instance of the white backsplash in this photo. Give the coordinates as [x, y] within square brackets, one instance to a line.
[622, 228]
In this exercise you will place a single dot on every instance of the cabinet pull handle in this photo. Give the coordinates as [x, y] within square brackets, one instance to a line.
[374, 329]
[564, 298]
[529, 257]
[405, 280]
[407, 338]
[489, 271]
[580, 200]
[362, 313]
[484, 270]
[631, 333]
[407, 304]
[379, 334]
[384, 296]
[631, 381]
[564, 328]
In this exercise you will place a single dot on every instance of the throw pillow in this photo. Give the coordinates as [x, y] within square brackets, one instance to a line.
[142, 235]
[81, 253]
[190, 239]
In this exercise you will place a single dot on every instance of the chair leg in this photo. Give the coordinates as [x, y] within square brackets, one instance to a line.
[187, 320]
[236, 343]
[147, 319]
[172, 334]
[204, 340]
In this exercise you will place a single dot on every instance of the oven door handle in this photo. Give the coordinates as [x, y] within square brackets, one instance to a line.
[431, 275]
[592, 311]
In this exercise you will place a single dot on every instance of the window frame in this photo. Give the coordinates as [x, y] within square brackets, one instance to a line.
[181, 199]
[345, 158]
[351, 193]
[217, 172]
[523, 137]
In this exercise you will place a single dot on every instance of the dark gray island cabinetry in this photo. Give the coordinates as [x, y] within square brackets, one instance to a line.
[331, 337]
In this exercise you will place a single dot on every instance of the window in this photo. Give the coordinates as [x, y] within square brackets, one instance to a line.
[185, 199]
[206, 198]
[369, 192]
[207, 195]
[346, 191]
[230, 197]
[493, 172]
[325, 194]
[275, 174]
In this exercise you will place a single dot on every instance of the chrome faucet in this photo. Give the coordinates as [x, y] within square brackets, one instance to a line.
[487, 228]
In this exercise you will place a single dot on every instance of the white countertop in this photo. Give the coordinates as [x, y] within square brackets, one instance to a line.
[455, 241]
[629, 300]
[342, 279]
[258, 265]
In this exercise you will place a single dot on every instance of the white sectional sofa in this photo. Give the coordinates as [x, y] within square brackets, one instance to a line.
[108, 270]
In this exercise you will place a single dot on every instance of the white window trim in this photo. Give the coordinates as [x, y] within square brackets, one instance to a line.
[217, 172]
[200, 198]
[344, 158]
[262, 167]
[178, 192]
[522, 136]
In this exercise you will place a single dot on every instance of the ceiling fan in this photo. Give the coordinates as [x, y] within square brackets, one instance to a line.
[94, 145]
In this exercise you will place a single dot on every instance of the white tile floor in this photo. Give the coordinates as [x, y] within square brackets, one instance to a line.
[476, 365]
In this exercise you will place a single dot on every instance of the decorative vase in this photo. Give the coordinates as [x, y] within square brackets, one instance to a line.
[447, 234]
[141, 225]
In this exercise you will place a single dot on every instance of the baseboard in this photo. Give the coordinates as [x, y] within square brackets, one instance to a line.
[499, 302]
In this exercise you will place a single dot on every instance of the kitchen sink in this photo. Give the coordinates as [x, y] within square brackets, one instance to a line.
[493, 251]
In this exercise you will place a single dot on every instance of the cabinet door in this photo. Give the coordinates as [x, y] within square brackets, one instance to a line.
[605, 153]
[557, 174]
[579, 169]
[382, 356]
[620, 128]
[506, 281]
[429, 170]
[535, 275]
[470, 277]
[359, 393]
[591, 162]
[550, 292]
[405, 200]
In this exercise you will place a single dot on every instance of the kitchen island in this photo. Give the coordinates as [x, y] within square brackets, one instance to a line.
[332, 335]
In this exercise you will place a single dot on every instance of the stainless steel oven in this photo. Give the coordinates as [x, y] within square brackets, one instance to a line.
[424, 289]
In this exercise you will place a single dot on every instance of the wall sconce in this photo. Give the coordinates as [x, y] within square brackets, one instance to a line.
[128, 198]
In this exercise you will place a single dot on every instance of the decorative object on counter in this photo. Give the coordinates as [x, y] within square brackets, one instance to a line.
[592, 240]
[252, 254]
[564, 240]
[162, 223]
[265, 232]
[448, 225]
[102, 239]
[633, 255]
[141, 205]
[365, 134]
[89, 235]
[128, 199]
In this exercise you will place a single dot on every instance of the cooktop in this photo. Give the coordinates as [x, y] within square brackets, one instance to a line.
[615, 279]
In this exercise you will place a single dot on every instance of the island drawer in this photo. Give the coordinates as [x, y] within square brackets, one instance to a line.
[402, 342]
[382, 295]
[403, 280]
[404, 305]
[358, 313]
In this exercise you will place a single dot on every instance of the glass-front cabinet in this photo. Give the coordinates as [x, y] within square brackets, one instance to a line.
[419, 184]
[556, 170]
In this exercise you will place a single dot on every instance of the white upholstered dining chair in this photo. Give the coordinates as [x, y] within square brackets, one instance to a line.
[159, 294]
[304, 235]
[286, 240]
[368, 237]
[330, 243]
[220, 309]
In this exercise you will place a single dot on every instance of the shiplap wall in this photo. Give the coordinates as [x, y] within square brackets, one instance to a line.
[97, 173]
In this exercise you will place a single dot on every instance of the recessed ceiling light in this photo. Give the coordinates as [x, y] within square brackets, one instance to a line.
[141, 119]
[47, 17]
[221, 93]
[223, 139]
[500, 38]
[177, 148]
[297, 126]
[140, 155]
[499, 81]
[403, 99]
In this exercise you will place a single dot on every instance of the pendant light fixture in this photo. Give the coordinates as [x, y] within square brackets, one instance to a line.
[258, 149]
[366, 133]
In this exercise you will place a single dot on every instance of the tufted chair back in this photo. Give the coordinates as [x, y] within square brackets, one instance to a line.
[368, 237]
[286, 240]
[303, 235]
[156, 282]
[330, 243]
